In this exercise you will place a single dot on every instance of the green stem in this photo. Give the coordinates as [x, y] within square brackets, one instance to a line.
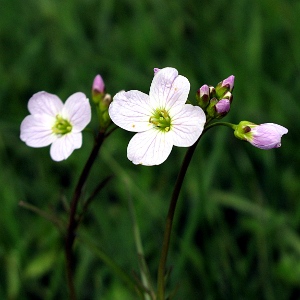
[171, 212]
[73, 222]
[230, 125]
[169, 223]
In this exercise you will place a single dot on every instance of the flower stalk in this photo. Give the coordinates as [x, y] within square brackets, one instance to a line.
[170, 217]
[169, 222]
[171, 211]
[73, 221]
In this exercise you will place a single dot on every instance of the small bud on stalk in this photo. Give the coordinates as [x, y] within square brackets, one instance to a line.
[98, 89]
[264, 136]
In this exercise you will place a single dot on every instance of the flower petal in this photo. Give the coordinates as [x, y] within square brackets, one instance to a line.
[150, 148]
[187, 125]
[36, 130]
[45, 103]
[77, 110]
[63, 147]
[131, 111]
[280, 129]
[267, 136]
[168, 89]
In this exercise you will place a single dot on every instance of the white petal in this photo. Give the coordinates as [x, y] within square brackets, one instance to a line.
[77, 110]
[150, 147]
[168, 89]
[63, 147]
[187, 125]
[36, 130]
[131, 111]
[45, 103]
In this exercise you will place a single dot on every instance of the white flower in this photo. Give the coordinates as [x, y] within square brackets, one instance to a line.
[161, 119]
[52, 122]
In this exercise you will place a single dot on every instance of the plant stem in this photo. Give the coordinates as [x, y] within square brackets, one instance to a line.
[73, 222]
[169, 222]
[171, 212]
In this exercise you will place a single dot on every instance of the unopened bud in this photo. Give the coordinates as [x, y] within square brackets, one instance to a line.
[264, 136]
[222, 108]
[228, 83]
[98, 89]
[225, 86]
[203, 96]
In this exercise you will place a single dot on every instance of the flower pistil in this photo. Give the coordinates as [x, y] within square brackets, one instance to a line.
[61, 126]
[161, 120]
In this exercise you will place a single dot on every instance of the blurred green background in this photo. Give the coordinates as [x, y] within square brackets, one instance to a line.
[236, 231]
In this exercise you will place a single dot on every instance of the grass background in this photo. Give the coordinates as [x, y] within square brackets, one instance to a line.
[236, 231]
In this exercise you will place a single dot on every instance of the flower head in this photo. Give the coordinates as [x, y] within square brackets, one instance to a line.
[161, 119]
[265, 136]
[52, 122]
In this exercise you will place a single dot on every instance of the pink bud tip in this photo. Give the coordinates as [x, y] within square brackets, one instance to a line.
[223, 106]
[204, 90]
[228, 82]
[98, 85]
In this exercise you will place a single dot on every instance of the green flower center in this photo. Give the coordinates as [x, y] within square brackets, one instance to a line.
[161, 120]
[61, 126]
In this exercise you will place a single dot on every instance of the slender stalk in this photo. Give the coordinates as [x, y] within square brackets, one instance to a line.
[73, 222]
[171, 212]
[169, 223]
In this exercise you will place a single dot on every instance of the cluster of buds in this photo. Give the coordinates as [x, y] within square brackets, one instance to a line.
[102, 101]
[216, 101]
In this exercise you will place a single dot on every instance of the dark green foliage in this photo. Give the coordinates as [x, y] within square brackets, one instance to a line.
[236, 227]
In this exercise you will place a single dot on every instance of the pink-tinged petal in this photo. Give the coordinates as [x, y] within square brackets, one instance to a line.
[63, 147]
[168, 89]
[131, 111]
[187, 125]
[155, 70]
[280, 129]
[45, 103]
[267, 136]
[36, 130]
[150, 147]
[77, 110]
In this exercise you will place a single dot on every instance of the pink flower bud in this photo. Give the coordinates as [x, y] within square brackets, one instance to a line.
[223, 107]
[228, 83]
[204, 91]
[98, 85]
[203, 96]
[264, 136]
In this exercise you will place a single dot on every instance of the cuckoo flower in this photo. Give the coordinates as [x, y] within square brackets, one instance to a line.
[52, 122]
[161, 119]
[264, 136]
